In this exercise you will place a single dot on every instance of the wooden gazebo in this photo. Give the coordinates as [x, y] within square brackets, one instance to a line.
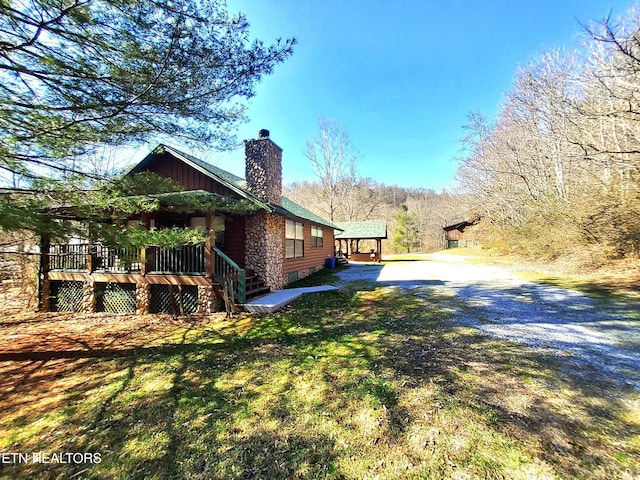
[356, 235]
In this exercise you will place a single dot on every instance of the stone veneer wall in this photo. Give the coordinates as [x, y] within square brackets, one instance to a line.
[265, 247]
[263, 168]
[89, 296]
[143, 298]
[208, 302]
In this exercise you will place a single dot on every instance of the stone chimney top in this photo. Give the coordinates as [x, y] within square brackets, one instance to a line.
[264, 133]
[264, 168]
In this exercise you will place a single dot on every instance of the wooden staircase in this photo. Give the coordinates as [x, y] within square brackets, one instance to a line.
[235, 285]
[255, 285]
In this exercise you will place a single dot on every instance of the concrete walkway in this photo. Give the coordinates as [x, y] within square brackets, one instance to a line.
[275, 301]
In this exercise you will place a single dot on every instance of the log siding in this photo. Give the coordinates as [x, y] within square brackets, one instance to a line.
[314, 257]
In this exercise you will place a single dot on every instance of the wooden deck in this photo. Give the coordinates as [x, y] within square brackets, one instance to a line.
[197, 265]
[152, 279]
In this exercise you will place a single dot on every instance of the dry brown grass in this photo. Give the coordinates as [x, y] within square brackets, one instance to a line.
[614, 275]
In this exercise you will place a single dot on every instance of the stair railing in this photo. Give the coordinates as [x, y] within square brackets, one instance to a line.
[226, 271]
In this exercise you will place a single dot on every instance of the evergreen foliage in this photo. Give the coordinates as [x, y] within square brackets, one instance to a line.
[81, 74]
[407, 234]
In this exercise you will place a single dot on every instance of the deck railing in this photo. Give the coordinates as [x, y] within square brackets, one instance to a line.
[227, 272]
[186, 259]
[116, 259]
[98, 258]
[183, 260]
[69, 257]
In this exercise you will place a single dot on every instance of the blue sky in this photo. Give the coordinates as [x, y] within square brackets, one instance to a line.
[400, 76]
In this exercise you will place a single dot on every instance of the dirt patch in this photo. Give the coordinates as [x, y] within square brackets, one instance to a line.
[42, 353]
[38, 336]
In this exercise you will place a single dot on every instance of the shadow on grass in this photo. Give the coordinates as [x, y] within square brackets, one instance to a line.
[342, 384]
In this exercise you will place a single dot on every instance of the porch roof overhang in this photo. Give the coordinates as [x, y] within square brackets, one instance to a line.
[209, 202]
[201, 201]
[459, 226]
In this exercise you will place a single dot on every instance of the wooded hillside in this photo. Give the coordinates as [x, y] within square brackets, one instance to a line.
[366, 199]
[556, 173]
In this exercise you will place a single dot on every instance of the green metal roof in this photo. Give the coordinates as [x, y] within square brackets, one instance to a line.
[366, 229]
[291, 209]
[237, 184]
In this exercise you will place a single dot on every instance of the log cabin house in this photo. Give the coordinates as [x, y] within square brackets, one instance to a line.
[244, 255]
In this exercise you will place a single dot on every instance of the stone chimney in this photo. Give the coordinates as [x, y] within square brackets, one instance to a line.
[264, 168]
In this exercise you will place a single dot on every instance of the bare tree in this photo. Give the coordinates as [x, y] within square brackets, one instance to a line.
[333, 160]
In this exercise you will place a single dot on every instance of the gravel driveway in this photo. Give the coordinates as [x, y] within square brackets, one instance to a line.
[595, 337]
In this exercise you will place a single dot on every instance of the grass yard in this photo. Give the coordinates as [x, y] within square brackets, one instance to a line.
[358, 383]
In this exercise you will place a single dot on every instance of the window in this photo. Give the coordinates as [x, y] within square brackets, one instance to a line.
[218, 226]
[294, 236]
[316, 236]
[219, 229]
[198, 223]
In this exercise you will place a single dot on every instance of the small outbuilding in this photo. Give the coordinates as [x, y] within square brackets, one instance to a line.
[461, 234]
[362, 240]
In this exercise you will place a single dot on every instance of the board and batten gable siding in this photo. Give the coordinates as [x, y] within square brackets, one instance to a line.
[453, 234]
[313, 256]
[465, 232]
[189, 178]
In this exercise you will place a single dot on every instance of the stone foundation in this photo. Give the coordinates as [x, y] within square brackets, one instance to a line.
[208, 301]
[143, 298]
[89, 296]
[300, 274]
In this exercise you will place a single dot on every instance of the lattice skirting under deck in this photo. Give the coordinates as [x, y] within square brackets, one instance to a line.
[115, 297]
[174, 299]
[66, 296]
[78, 296]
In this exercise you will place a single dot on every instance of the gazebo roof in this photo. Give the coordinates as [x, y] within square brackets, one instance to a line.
[362, 230]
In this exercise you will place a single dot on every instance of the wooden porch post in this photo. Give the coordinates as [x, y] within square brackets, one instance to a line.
[90, 262]
[210, 239]
[146, 221]
[143, 260]
[44, 287]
